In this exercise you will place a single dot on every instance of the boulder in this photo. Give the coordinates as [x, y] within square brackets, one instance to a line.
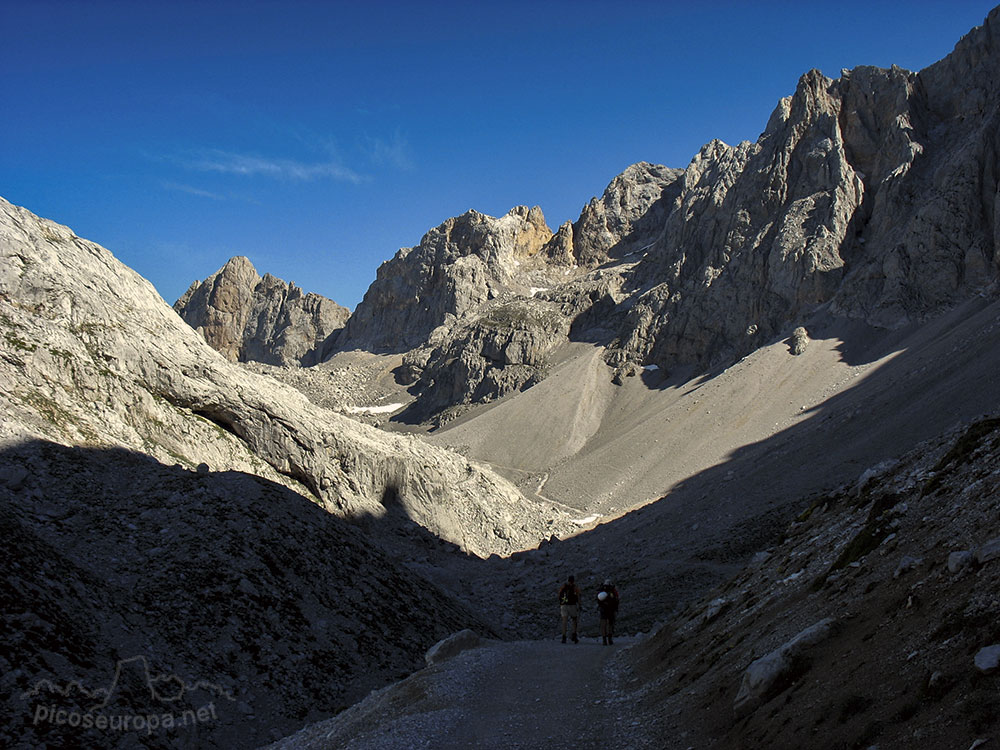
[763, 673]
[959, 560]
[987, 659]
[799, 341]
[713, 610]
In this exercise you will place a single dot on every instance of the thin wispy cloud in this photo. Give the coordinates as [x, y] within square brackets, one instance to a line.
[191, 190]
[251, 165]
[391, 152]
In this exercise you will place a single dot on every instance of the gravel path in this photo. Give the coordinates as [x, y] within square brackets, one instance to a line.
[503, 696]
[540, 694]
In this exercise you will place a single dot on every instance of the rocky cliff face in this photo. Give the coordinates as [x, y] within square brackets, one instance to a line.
[503, 348]
[481, 303]
[250, 318]
[625, 220]
[457, 267]
[874, 193]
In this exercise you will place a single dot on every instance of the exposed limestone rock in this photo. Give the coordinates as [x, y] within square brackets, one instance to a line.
[958, 561]
[559, 249]
[868, 193]
[714, 609]
[906, 564]
[763, 673]
[249, 318]
[457, 267]
[502, 350]
[799, 341]
[988, 552]
[627, 218]
[987, 659]
[91, 354]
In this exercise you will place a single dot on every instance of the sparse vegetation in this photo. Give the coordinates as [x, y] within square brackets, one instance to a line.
[519, 317]
[55, 414]
[18, 343]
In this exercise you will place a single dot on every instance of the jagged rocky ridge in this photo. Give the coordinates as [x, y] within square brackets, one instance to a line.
[872, 196]
[262, 319]
[874, 193]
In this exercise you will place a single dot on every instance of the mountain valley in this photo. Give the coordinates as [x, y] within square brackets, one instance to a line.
[760, 394]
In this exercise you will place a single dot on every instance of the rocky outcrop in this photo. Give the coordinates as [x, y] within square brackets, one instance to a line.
[91, 354]
[457, 267]
[625, 220]
[481, 302]
[505, 348]
[250, 318]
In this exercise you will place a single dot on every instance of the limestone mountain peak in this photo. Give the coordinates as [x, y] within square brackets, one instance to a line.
[247, 317]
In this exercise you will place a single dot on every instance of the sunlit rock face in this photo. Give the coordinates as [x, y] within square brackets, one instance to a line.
[247, 317]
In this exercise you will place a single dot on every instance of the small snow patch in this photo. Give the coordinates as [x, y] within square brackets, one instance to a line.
[651, 368]
[584, 521]
[641, 249]
[536, 289]
[385, 409]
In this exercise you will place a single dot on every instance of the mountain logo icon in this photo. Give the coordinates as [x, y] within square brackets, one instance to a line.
[134, 676]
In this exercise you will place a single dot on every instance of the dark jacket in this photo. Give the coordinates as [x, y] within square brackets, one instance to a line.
[609, 607]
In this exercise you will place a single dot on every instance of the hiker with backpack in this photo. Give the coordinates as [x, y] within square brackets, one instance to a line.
[569, 607]
[607, 607]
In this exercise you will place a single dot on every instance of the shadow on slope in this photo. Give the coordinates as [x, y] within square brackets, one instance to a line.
[284, 612]
[911, 609]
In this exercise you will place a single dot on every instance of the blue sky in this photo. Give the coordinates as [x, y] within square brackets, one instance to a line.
[317, 138]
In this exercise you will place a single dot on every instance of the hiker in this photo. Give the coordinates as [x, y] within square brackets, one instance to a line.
[607, 607]
[569, 606]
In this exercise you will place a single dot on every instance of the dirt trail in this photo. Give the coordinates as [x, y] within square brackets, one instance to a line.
[510, 695]
[543, 694]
